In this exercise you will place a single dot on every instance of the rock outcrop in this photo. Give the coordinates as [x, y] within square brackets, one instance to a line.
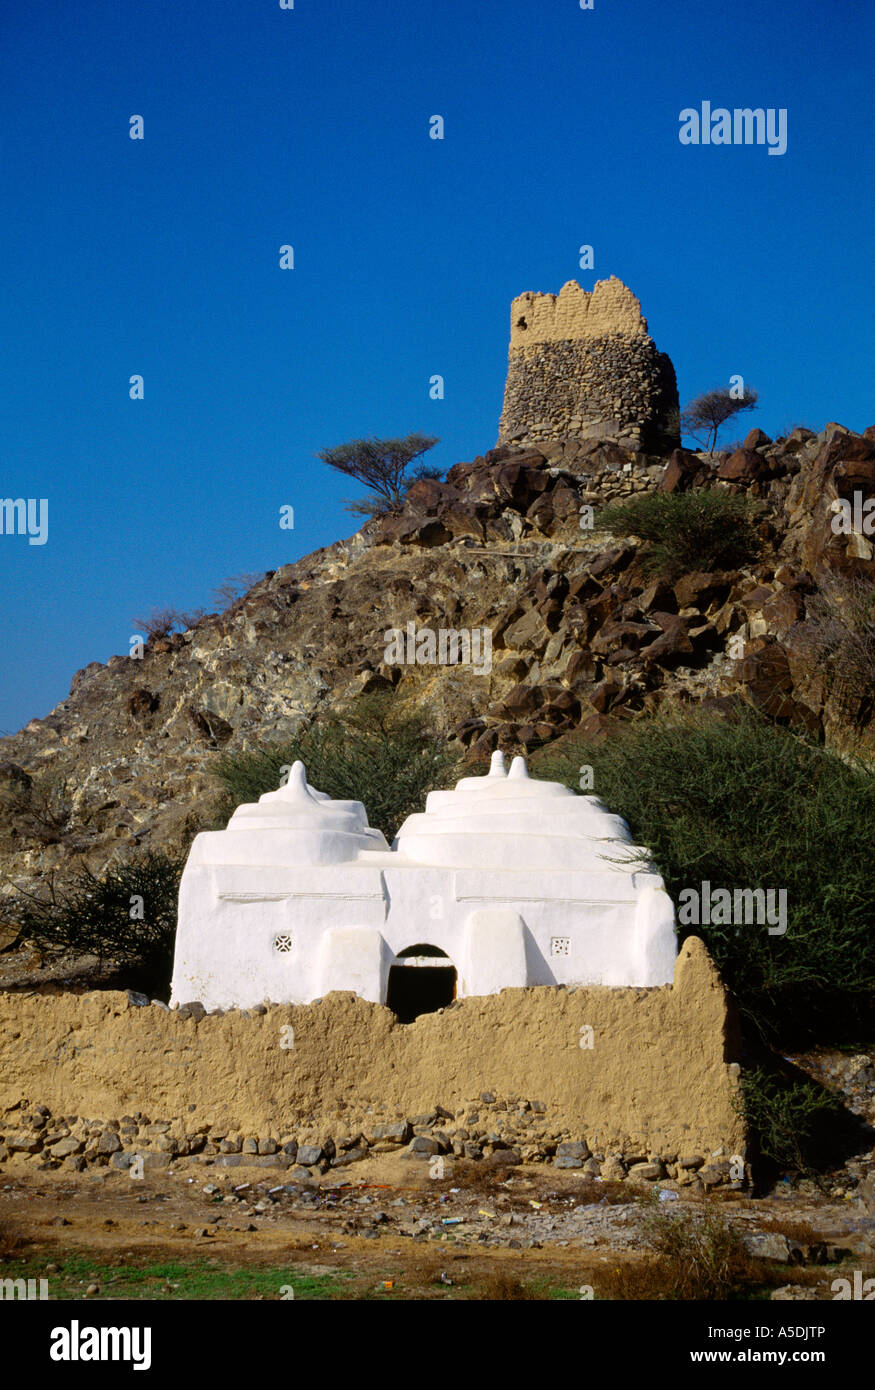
[580, 637]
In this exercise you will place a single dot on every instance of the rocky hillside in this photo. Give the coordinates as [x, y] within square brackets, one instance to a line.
[581, 638]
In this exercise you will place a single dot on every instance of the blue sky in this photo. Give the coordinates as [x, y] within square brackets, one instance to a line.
[310, 127]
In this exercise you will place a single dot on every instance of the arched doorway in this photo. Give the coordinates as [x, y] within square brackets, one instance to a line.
[421, 980]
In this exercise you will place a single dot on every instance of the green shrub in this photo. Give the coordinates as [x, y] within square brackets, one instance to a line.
[370, 752]
[683, 531]
[741, 804]
[98, 915]
[785, 1118]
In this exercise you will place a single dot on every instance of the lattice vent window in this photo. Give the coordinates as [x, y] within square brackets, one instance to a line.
[283, 944]
[560, 945]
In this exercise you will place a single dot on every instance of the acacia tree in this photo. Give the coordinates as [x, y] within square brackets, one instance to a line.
[712, 409]
[162, 621]
[381, 464]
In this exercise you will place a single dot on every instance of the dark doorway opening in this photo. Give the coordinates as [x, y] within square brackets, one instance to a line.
[419, 987]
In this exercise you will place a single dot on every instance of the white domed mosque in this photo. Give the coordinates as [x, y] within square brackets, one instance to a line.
[505, 881]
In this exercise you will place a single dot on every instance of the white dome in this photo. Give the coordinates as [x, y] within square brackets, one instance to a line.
[512, 821]
[296, 825]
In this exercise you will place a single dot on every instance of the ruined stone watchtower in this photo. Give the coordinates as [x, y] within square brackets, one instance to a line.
[582, 366]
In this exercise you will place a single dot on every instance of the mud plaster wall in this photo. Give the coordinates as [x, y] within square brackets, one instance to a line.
[660, 1074]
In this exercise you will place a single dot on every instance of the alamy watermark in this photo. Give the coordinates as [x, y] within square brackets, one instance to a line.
[29, 517]
[721, 907]
[853, 514]
[740, 126]
[446, 647]
[25, 1290]
[76, 1343]
[863, 1290]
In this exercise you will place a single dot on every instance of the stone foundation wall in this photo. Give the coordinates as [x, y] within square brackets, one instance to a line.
[340, 1077]
[582, 366]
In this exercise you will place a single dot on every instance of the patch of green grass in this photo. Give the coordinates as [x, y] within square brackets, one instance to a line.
[177, 1281]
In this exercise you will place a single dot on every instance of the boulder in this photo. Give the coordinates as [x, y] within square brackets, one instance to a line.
[613, 1170]
[348, 1156]
[24, 1142]
[765, 673]
[69, 1145]
[646, 1172]
[398, 1132]
[309, 1155]
[522, 699]
[611, 561]
[674, 647]
[702, 589]
[424, 1146]
[621, 636]
[573, 1148]
[680, 471]
[581, 668]
[782, 610]
[743, 466]
[659, 595]
[529, 633]
[767, 1245]
[605, 694]
[756, 439]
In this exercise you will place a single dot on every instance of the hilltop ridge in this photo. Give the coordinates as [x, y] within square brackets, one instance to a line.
[581, 638]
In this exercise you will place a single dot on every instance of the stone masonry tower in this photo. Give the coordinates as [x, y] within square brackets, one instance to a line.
[582, 367]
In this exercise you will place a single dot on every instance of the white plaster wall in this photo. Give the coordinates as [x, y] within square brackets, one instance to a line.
[621, 929]
[492, 874]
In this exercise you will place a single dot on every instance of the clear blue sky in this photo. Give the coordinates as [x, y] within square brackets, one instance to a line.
[310, 127]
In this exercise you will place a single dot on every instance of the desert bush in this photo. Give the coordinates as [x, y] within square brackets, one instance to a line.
[739, 803]
[786, 430]
[11, 1242]
[98, 915]
[381, 464]
[840, 639]
[37, 808]
[234, 588]
[371, 752]
[699, 530]
[696, 1255]
[161, 622]
[700, 1253]
[785, 1119]
[711, 410]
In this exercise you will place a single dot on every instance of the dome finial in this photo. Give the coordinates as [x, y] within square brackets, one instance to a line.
[296, 788]
[519, 768]
[496, 765]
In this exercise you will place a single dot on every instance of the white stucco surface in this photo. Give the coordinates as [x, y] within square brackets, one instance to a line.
[517, 880]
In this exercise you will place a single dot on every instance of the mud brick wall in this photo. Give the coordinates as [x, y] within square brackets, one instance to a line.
[659, 1077]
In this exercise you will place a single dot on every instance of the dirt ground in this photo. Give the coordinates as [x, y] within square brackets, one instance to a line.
[478, 1232]
[527, 1233]
[170, 1217]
